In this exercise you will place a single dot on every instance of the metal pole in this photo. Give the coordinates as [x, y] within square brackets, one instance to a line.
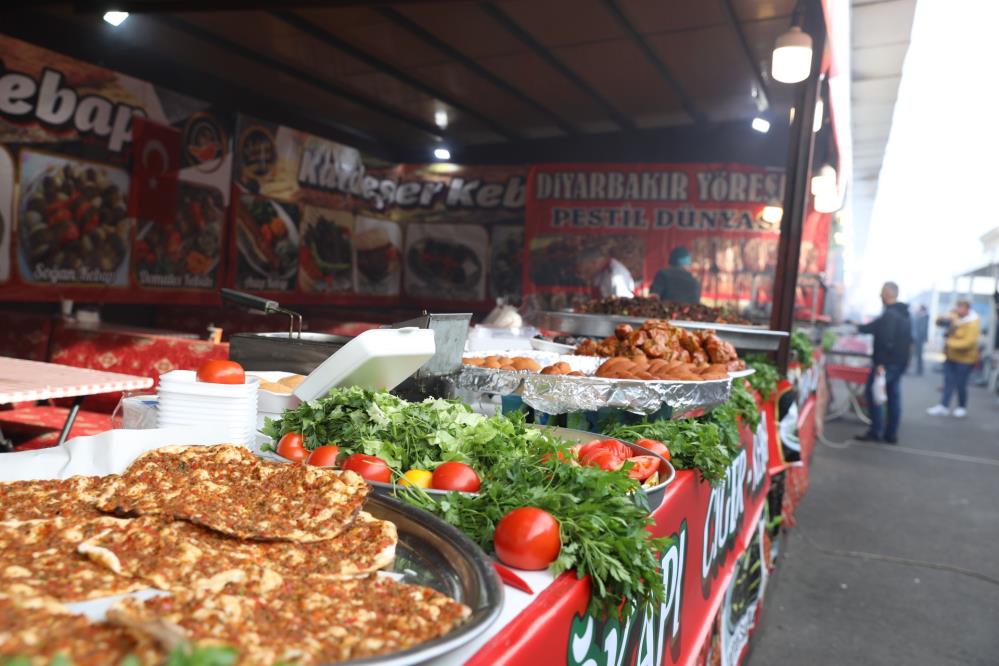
[799, 167]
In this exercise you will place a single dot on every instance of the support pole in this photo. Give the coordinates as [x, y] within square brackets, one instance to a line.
[798, 170]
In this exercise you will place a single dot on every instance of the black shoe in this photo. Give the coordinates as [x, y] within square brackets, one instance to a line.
[891, 440]
[867, 437]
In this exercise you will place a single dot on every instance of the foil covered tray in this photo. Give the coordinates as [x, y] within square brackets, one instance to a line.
[750, 338]
[560, 394]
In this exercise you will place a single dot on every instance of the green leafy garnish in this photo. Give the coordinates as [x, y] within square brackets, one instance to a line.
[764, 380]
[803, 348]
[603, 516]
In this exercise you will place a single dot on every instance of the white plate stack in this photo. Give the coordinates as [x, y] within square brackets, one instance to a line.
[184, 401]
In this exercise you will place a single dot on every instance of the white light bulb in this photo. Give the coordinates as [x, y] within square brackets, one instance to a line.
[817, 121]
[792, 56]
[772, 214]
[115, 18]
[442, 154]
[761, 125]
[440, 119]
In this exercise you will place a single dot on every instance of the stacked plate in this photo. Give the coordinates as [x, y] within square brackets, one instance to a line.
[184, 401]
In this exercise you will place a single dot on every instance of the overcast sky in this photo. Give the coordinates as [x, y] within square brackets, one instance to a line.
[939, 185]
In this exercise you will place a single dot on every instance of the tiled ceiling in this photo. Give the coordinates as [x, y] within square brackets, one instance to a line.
[880, 32]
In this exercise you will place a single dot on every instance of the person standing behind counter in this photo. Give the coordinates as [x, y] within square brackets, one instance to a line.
[676, 283]
[606, 276]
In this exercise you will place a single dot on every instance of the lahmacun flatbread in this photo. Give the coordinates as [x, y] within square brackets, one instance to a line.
[49, 498]
[39, 629]
[178, 555]
[349, 619]
[39, 558]
[227, 489]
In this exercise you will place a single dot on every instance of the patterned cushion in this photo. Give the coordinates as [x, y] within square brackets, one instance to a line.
[36, 420]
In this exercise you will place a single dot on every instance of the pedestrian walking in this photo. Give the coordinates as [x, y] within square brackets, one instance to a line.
[961, 351]
[920, 333]
[892, 333]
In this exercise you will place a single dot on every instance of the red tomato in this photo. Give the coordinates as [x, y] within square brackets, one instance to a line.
[371, 468]
[455, 476]
[292, 447]
[655, 446]
[527, 538]
[603, 459]
[642, 467]
[619, 449]
[218, 371]
[324, 456]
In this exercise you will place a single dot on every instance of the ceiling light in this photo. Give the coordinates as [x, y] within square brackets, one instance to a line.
[827, 202]
[761, 124]
[442, 154]
[817, 121]
[792, 57]
[772, 214]
[115, 18]
[440, 119]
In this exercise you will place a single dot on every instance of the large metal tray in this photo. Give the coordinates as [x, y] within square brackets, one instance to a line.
[749, 338]
[434, 554]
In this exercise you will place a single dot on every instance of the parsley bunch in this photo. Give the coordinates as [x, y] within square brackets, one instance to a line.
[602, 515]
[802, 347]
[764, 380]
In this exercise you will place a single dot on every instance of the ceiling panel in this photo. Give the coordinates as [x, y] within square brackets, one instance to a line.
[655, 16]
[622, 74]
[878, 23]
[884, 89]
[878, 61]
[749, 10]
[706, 74]
[465, 27]
[377, 36]
[564, 22]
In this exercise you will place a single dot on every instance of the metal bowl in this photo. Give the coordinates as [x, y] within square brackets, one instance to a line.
[434, 554]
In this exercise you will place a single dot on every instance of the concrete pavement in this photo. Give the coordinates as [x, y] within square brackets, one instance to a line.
[895, 558]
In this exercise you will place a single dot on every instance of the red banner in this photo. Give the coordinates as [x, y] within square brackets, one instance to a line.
[709, 527]
[725, 217]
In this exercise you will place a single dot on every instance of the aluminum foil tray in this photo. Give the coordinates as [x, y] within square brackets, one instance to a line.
[750, 338]
[560, 394]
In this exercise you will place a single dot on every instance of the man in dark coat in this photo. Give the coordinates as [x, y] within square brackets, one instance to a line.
[676, 283]
[892, 333]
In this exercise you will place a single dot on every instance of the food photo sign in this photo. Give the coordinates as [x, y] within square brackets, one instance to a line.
[68, 139]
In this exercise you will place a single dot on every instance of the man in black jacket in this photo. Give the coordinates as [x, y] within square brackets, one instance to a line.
[676, 283]
[892, 333]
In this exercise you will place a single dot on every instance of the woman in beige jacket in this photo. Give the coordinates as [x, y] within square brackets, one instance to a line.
[961, 350]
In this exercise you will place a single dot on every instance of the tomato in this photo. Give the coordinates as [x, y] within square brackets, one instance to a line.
[371, 468]
[655, 446]
[642, 467]
[218, 371]
[416, 477]
[527, 538]
[324, 456]
[603, 459]
[292, 447]
[619, 449]
[455, 476]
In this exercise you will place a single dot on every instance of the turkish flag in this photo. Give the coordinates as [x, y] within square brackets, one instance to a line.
[155, 167]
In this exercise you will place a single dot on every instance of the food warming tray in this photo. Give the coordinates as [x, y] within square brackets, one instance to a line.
[749, 338]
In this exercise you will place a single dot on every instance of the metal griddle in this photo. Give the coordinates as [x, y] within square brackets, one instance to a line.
[748, 338]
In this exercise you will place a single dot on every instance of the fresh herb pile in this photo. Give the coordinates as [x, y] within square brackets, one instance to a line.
[602, 516]
[803, 348]
[764, 380]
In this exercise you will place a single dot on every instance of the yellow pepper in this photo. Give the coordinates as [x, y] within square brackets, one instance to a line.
[416, 477]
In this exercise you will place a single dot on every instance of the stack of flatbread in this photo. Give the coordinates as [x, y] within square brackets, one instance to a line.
[246, 549]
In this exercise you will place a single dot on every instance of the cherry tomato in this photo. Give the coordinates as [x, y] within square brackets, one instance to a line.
[455, 476]
[527, 538]
[371, 468]
[416, 477]
[603, 459]
[324, 456]
[655, 446]
[218, 371]
[642, 467]
[292, 447]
